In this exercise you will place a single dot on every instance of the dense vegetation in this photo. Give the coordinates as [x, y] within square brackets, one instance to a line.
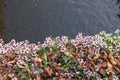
[83, 58]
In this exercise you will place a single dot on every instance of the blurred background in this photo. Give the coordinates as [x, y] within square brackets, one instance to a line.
[37, 19]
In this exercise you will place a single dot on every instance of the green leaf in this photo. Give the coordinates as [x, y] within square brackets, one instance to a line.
[55, 49]
[93, 78]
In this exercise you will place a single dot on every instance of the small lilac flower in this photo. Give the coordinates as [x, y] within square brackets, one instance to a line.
[41, 70]
[64, 39]
[14, 78]
[36, 72]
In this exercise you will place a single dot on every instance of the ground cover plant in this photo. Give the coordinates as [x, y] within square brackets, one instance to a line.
[83, 58]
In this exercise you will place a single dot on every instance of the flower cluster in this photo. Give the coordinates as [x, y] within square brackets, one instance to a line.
[48, 42]
[83, 58]
[22, 47]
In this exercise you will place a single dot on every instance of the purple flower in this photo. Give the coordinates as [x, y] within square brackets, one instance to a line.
[64, 39]
[14, 78]
[48, 42]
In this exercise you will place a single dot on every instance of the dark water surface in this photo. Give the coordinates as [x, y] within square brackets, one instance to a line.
[1, 18]
[36, 19]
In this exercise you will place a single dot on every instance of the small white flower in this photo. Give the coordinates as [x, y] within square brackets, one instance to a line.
[14, 78]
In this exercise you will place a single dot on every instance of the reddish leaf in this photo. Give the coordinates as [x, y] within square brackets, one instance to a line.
[102, 71]
[90, 51]
[110, 76]
[11, 62]
[38, 78]
[109, 66]
[10, 55]
[116, 69]
[111, 59]
[11, 75]
[48, 72]
[104, 64]
[62, 79]
[38, 60]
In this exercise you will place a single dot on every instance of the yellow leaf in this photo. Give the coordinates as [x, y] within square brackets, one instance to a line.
[36, 59]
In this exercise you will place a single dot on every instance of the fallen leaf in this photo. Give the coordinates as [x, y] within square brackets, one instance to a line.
[76, 56]
[1, 70]
[102, 71]
[110, 76]
[111, 59]
[90, 51]
[104, 64]
[95, 57]
[11, 75]
[118, 58]
[36, 59]
[109, 66]
[57, 68]
[61, 79]
[11, 62]
[52, 56]
[38, 78]
[10, 55]
[116, 69]
[21, 66]
[59, 64]
[92, 68]
[118, 63]
[48, 72]
[0, 76]
[67, 53]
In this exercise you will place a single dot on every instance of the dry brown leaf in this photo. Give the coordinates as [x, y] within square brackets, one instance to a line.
[57, 68]
[0, 76]
[56, 73]
[111, 59]
[118, 53]
[104, 64]
[21, 66]
[118, 58]
[95, 57]
[11, 75]
[118, 63]
[110, 76]
[36, 59]
[76, 51]
[102, 71]
[92, 68]
[59, 64]
[48, 72]
[61, 79]
[52, 56]
[38, 78]
[103, 57]
[76, 56]
[67, 53]
[11, 62]
[109, 66]
[90, 51]
[1, 57]
[0, 63]
[11, 55]
[2, 70]
[84, 49]
[116, 69]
